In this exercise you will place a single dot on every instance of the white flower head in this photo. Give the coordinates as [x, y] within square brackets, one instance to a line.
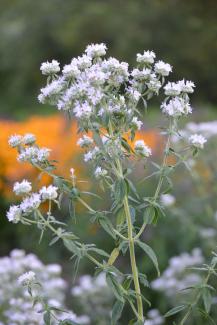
[100, 172]
[71, 71]
[186, 86]
[154, 85]
[96, 50]
[42, 154]
[14, 214]
[49, 193]
[27, 278]
[29, 138]
[133, 94]
[147, 57]
[90, 155]
[83, 110]
[197, 140]
[22, 188]
[30, 203]
[162, 68]
[48, 68]
[85, 141]
[27, 154]
[172, 89]
[176, 107]
[51, 91]
[141, 74]
[142, 149]
[15, 140]
[136, 123]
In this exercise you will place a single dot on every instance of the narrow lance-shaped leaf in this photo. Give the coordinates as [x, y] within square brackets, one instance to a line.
[175, 310]
[149, 251]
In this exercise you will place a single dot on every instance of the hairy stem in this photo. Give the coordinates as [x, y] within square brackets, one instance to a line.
[132, 249]
[133, 259]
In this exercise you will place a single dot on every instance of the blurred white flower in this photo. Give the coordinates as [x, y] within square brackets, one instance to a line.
[167, 199]
[197, 140]
[27, 278]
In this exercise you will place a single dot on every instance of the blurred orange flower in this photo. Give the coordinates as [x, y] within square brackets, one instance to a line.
[56, 133]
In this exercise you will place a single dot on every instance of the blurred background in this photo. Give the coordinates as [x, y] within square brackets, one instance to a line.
[183, 33]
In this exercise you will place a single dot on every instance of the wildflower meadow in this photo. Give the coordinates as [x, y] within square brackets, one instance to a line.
[133, 205]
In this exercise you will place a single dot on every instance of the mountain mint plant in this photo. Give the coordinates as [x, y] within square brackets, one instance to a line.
[107, 99]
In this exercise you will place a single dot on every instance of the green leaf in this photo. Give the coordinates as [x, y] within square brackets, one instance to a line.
[68, 322]
[120, 190]
[133, 214]
[149, 251]
[117, 311]
[143, 280]
[175, 310]
[120, 218]
[107, 226]
[99, 251]
[207, 299]
[149, 214]
[72, 247]
[115, 286]
[47, 319]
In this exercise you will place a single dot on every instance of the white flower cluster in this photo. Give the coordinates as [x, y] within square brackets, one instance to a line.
[28, 150]
[18, 140]
[27, 278]
[94, 297]
[179, 103]
[197, 140]
[96, 90]
[154, 318]
[176, 277]
[22, 188]
[15, 302]
[162, 68]
[49, 68]
[87, 86]
[31, 201]
[34, 155]
[142, 149]
[88, 284]
[48, 193]
[176, 107]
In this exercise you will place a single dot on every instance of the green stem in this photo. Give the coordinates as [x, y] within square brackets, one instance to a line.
[160, 182]
[166, 153]
[133, 259]
[132, 250]
[130, 239]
